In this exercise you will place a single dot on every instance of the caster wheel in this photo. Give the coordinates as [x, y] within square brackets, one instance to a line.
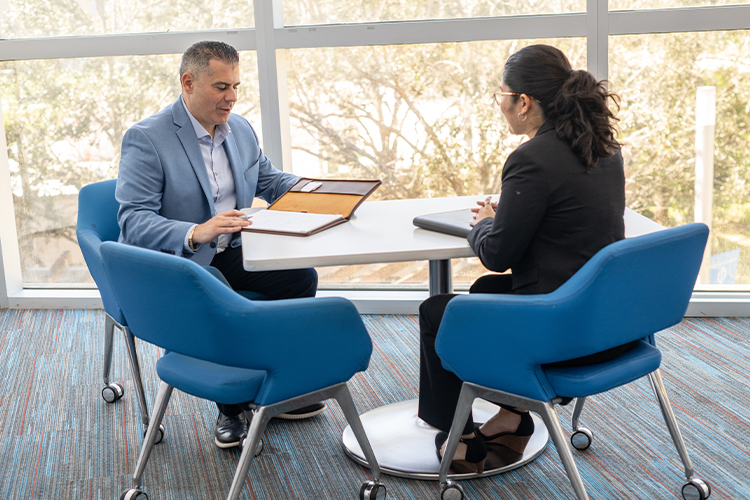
[372, 491]
[159, 434]
[582, 438]
[133, 494]
[112, 392]
[451, 491]
[258, 449]
[696, 489]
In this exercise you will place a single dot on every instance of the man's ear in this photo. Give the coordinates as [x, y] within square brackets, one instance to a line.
[188, 83]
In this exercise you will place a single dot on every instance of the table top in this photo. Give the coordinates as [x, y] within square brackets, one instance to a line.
[378, 232]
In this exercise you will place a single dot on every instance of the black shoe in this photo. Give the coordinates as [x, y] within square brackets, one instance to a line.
[304, 412]
[230, 431]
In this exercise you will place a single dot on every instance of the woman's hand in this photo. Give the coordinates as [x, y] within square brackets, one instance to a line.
[487, 210]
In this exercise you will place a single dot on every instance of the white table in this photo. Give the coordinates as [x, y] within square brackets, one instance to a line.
[382, 231]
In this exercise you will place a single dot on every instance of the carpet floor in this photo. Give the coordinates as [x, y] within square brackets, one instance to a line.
[60, 440]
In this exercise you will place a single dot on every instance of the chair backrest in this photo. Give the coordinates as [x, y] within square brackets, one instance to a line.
[97, 222]
[177, 304]
[638, 286]
[629, 290]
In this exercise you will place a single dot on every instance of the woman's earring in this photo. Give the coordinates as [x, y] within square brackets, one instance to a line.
[522, 119]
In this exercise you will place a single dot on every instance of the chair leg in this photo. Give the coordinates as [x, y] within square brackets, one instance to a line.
[160, 407]
[257, 427]
[463, 409]
[346, 403]
[551, 420]
[136, 371]
[582, 437]
[109, 330]
[577, 410]
[666, 409]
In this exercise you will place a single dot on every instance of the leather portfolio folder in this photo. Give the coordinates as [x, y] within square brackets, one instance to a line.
[312, 205]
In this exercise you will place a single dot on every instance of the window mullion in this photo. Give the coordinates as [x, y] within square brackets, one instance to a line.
[597, 38]
[10, 258]
[272, 83]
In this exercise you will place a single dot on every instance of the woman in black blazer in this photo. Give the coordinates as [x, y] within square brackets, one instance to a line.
[562, 200]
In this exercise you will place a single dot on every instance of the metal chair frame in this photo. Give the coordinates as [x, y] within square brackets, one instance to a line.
[259, 416]
[548, 412]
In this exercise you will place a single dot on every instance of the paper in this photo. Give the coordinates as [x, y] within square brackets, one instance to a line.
[311, 186]
[291, 222]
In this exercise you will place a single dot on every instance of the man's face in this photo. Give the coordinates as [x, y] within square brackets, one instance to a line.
[211, 96]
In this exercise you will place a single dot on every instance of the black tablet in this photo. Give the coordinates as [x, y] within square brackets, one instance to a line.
[455, 222]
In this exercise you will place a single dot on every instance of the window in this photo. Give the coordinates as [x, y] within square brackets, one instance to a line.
[64, 122]
[667, 4]
[419, 117]
[47, 18]
[409, 104]
[307, 12]
[658, 77]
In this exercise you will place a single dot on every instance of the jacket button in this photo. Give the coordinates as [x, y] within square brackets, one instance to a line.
[212, 244]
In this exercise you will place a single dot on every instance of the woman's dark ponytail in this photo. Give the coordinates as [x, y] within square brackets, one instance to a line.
[583, 118]
[571, 99]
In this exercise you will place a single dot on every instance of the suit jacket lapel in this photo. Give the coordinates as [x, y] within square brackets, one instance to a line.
[186, 134]
[239, 180]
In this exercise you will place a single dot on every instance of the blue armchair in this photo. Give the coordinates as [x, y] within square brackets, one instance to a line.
[273, 356]
[97, 222]
[626, 293]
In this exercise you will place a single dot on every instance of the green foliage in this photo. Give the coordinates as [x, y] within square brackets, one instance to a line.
[419, 117]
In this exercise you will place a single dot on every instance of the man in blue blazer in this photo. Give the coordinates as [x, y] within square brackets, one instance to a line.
[185, 171]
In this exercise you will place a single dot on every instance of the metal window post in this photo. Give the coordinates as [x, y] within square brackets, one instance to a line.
[272, 82]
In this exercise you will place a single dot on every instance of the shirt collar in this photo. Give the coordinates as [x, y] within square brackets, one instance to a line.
[222, 129]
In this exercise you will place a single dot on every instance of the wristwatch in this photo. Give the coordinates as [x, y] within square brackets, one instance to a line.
[190, 239]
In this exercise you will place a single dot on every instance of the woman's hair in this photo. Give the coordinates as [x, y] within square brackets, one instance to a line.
[571, 99]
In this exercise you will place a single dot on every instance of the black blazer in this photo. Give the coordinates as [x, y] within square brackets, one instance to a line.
[553, 214]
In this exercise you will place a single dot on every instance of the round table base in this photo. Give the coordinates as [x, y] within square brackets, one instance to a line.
[405, 445]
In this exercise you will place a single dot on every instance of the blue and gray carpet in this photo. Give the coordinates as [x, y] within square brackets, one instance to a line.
[60, 440]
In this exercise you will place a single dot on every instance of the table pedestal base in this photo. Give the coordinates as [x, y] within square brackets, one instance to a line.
[405, 445]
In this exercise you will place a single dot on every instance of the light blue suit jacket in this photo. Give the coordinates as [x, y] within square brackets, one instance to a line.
[163, 185]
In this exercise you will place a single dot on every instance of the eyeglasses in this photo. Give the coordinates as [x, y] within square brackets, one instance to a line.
[498, 95]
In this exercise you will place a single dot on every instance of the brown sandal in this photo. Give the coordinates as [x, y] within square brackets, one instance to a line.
[516, 440]
[476, 452]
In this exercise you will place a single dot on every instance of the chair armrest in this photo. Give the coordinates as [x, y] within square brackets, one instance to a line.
[89, 242]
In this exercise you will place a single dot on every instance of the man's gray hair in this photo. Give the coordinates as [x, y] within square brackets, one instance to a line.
[196, 58]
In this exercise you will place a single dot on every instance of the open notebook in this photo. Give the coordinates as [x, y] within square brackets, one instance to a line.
[291, 223]
[312, 205]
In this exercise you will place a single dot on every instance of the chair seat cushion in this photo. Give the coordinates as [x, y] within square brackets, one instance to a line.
[582, 381]
[222, 384]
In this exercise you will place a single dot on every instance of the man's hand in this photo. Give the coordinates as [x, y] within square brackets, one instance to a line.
[223, 223]
[487, 210]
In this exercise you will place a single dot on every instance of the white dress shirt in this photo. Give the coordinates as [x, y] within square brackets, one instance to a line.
[219, 172]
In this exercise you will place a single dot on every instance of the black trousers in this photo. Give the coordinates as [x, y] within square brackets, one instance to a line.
[439, 388]
[289, 284]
